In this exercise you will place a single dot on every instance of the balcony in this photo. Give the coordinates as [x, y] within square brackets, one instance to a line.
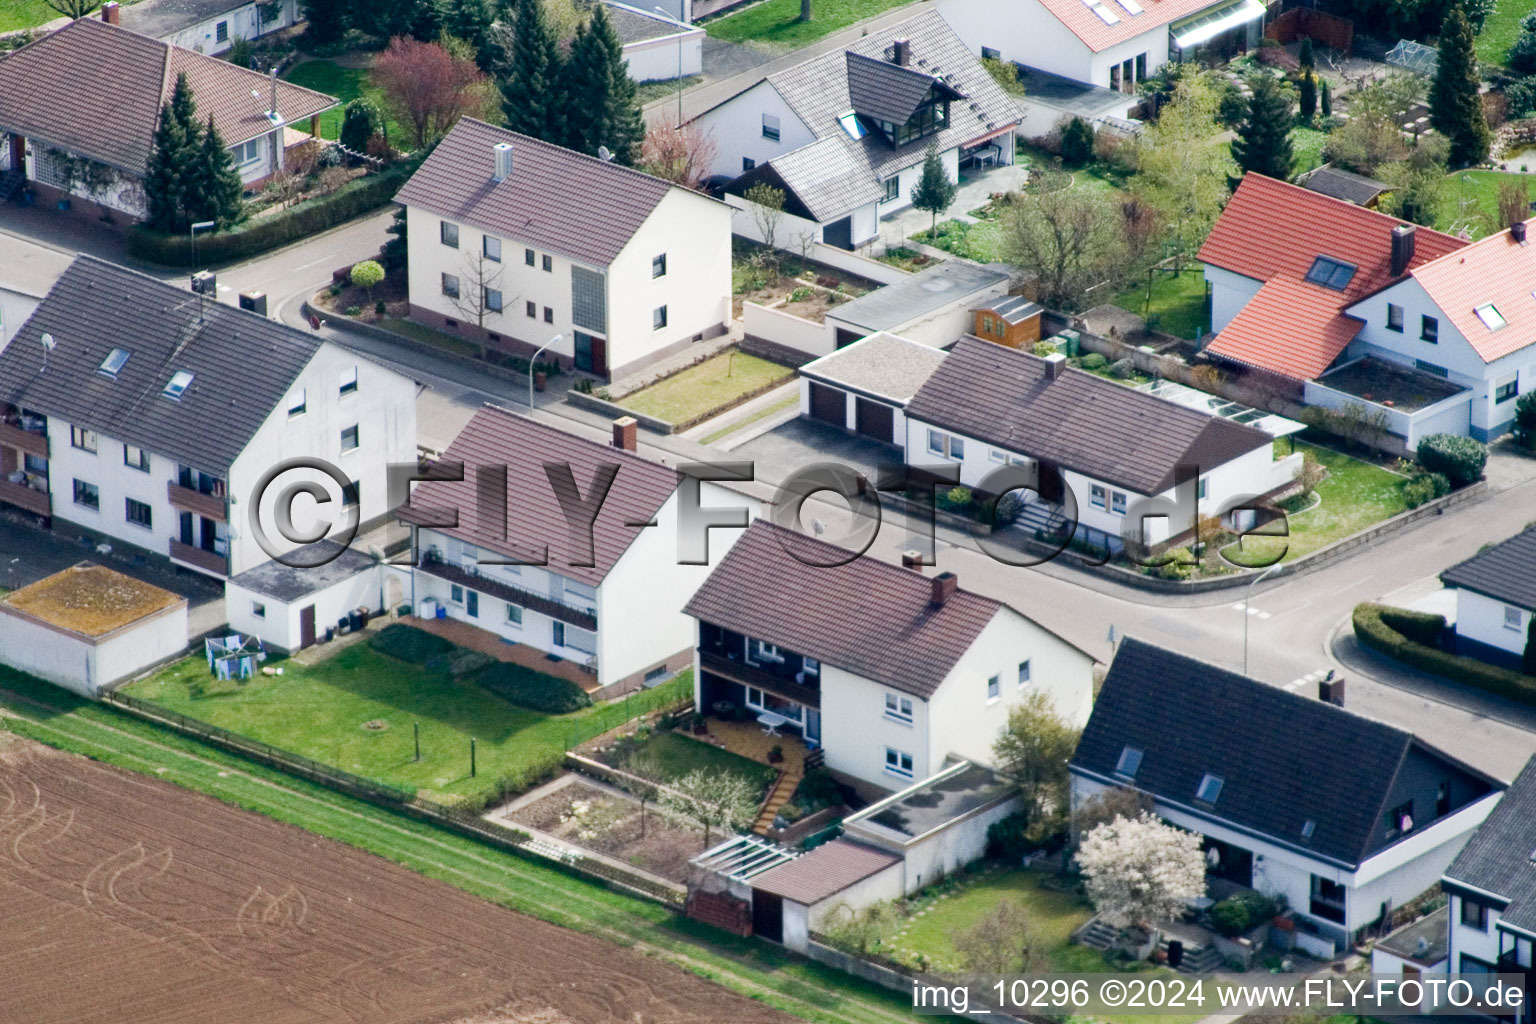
[1328, 910]
[25, 497]
[208, 561]
[776, 683]
[506, 592]
[206, 505]
[25, 441]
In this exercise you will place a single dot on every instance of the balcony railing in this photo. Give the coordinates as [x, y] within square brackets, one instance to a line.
[24, 497]
[206, 505]
[25, 441]
[1328, 910]
[739, 671]
[506, 592]
[208, 561]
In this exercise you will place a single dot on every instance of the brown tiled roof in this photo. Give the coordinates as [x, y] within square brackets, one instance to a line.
[555, 199]
[495, 437]
[96, 89]
[867, 617]
[1097, 427]
[825, 871]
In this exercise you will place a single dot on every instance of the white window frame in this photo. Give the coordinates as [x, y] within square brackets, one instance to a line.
[771, 128]
[1118, 502]
[298, 403]
[759, 652]
[899, 763]
[448, 233]
[490, 247]
[1025, 672]
[898, 708]
[514, 615]
[1098, 496]
[357, 441]
[94, 492]
[994, 689]
[143, 462]
[258, 609]
[1514, 617]
[347, 383]
[84, 440]
[938, 442]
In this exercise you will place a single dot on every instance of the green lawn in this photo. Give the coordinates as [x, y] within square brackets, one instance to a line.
[671, 755]
[1306, 148]
[707, 386]
[777, 22]
[981, 241]
[809, 991]
[650, 92]
[346, 84]
[1500, 31]
[1472, 199]
[1356, 495]
[430, 335]
[16, 14]
[320, 712]
[1177, 303]
[741, 424]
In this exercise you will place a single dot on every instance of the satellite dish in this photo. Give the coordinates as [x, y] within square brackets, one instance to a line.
[604, 153]
[48, 343]
[818, 527]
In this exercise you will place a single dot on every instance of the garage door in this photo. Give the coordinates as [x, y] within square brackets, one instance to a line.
[875, 420]
[829, 405]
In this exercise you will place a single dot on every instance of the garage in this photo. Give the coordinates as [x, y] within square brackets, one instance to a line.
[875, 420]
[828, 404]
[880, 374]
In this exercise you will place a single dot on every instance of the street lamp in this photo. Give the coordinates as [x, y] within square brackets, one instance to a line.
[534, 362]
[1246, 598]
[683, 27]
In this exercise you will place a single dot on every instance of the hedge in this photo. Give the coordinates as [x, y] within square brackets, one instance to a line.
[409, 644]
[534, 690]
[310, 217]
[1372, 631]
[1460, 458]
[1425, 628]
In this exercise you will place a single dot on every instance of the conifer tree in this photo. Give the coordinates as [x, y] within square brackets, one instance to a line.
[598, 96]
[530, 98]
[219, 189]
[1263, 143]
[174, 171]
[934, 191]
[1455, 108]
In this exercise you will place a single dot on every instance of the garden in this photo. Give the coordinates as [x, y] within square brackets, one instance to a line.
[789, 283]
[347, 82]
[776, 24]
[1170, 301]
[719, 382]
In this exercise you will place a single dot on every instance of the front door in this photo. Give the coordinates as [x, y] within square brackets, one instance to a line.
[18, 153]
[591, 354]
[812, 726]
[307, 626]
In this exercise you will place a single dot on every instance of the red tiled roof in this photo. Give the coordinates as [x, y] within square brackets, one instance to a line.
[1496, 270]
[825, 871]
[1090, 28]
[1272, 231]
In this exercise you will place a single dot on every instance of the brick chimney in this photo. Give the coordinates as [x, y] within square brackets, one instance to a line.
[1402, 248]
[912, 560]
[625, 431]
[1517, 231]
[901, 52]
[110, 12]
[1331, 689]
[1055, 363]
[502, 168]
[943, 585]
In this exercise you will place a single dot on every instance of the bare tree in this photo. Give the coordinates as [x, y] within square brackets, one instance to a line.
[712, 799]
[678, 153]
[767, 211]
[1001, 942]
[1064, 235]
[429, 89]
[479, 291]
[75, 9]
[1514, 202]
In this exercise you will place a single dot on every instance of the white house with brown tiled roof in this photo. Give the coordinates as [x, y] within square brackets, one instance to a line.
[519, 244]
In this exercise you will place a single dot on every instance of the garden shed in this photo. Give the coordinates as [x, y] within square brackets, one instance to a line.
[290, 608]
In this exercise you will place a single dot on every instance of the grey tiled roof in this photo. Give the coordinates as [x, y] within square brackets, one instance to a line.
[887, 91]
[1345, 185]
[1498, 857]
[882, 365]
[556, 199]
[1505, 572]
[636, 26]
[1080, 421]
[821, 181]
[1278, 754]
[161, 18]
[892, 307]
[243, 365]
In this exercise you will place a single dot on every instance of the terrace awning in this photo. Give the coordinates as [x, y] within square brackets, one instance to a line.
[1212, 22]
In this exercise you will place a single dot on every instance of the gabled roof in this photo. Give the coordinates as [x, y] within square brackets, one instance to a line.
[1080, 421]
[1505, 572]
[1267, 745]
[822, 181]
[1496, 270]
[161, 18]
[1499, 857]
[867, 617]
[887, 91]
[1346, 185]
[243, 365]
[534, 518]
[95, 90]
[555, 199]
[1091, 29]
[1273, 230]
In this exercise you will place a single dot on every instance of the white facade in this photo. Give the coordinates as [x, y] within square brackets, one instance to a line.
[251, 21]
[1492, 622]
[676, 56]
[737, 127]
[1230, 292]
[277, 623]
[1479, 935]
[1033, 36]
[89, 665]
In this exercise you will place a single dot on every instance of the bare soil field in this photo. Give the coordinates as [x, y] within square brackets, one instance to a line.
[126, 900]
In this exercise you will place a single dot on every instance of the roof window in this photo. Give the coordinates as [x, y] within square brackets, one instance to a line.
[115, 361]
[1489, 314]
[1210, 788]
[1130, 761]
[1331, 273]
[178, 385]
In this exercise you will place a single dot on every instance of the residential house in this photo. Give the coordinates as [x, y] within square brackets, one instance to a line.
[932, 307]
[988, 406]
[148, 415]
[1496, 599]
[1110, 45]
[657, 46]
[888, 671]
[207, 26]
[844, 134]
[78, 110]
[1344, 817]
[520, 244]
[517, 570]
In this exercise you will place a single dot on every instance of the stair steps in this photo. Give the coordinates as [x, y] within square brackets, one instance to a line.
[778, 796]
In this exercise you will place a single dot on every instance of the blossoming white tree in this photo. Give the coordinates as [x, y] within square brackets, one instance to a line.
[1141, 871]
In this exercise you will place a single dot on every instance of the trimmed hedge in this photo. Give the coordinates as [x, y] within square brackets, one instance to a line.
[1460, 458]
[409, 644]
[310, 217]
[1372, 631]
[535, 691]
[1424, 628]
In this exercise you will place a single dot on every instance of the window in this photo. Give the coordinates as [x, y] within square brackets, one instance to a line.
[549, 315]
[531, 308]
[351, 494]
[83, 439]
[1506, 389]
[137, 458]
[247, 152]
[87, 495]
[898, 708]
[1400, 820]
[348, 383]
[448, 232]
[548, 263]
[851, 125]
[451, 285]
[177, 385]
[1328, 899]
[1129, 763]
[659, 265]
[1024, 672]
[1429, 329]
[456, 594]
[770, 127]
[1434, 368]
[1210, 788]
[514, 614]
[1512, 617]
[139, 514]
[994, 688]
[1141, 58]
[1331, 273]
[898, 762]
[937, 442]
[1117, 502]
[1474, 914]
[528, 255]
[1098, 496]
[658, 318]
[1394, 318]
[493, 300]
[1307, 828]
[115, 361]
[996, 455]
[956, 448]
[1489, 314]
[349, 440]
[987, 53]
[490, 245]
[759, 652]
[1442, 799]
[221, 32]
[298, 403]
[747, 163]
[892, 187]
[258, 609]
[472, 603]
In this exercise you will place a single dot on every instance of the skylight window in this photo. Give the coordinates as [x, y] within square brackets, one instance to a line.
[115, 361]
[1331, 273]
[1132, 6]
[1210, 788]
[1307, 828]
[180, 381]
[1130, 761]
[852, 125]
[1489, 314]
[1106, 15]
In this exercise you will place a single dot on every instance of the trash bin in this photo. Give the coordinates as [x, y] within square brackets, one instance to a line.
[1175, 953]
[358, 619]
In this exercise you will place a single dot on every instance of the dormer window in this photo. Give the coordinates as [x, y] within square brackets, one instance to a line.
[851, 125]
[1210, 789]
[115, 361]
[1129, 763]
[179, 382]
[932, 116]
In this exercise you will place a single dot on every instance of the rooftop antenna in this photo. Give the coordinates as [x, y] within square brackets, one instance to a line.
[48, 346]
[604, 154]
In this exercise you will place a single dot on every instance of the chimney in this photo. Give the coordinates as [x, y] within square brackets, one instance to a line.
[943, 585]
[1331, 689]
[110, 12]
[1517, 231]
[901, 52]
[1402, 248]
[503, 152]
[1054, 364]
[912, 560]
[625, 429]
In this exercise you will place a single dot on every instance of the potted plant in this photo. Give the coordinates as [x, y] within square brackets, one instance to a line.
[700, 724]
[775, 754]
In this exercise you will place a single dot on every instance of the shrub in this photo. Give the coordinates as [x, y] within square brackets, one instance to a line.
[378, 307]
[1421, 627]
[1374, 633]
[1007, 509]
[1525, 419]
[367, 274]
[359, 123]
[1522, 55]
[1096, 361]
[1460, 458]
[1122, 368]
[409, 644]
[956, 499]
[1076, 142]
[1044, 348]
[1242, 912]
[354, 311]
[1178, 566]
[535, 691]
[1418, 490]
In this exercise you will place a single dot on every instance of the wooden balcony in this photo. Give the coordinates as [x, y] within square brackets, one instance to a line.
[25, 497]
[737, 671]
[207, 561]
[206, 505]
[24, 440]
